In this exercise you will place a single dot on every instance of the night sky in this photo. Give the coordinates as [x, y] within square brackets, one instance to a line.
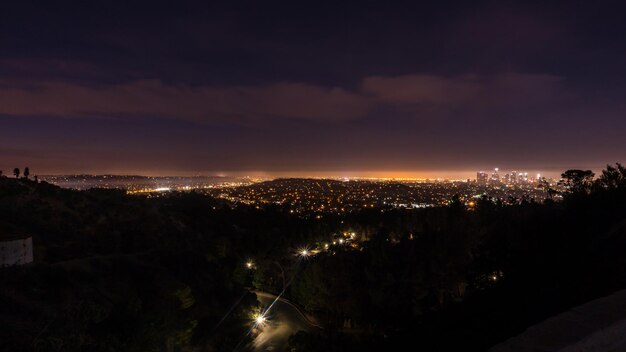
[311, 88]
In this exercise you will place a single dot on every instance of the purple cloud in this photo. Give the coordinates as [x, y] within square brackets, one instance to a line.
[412, 93]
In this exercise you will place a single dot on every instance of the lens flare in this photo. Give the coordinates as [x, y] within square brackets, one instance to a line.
[259, 320]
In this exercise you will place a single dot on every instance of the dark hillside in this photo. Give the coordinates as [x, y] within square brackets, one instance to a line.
[112, 272]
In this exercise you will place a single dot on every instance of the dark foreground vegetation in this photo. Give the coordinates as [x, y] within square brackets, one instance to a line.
[124, 273]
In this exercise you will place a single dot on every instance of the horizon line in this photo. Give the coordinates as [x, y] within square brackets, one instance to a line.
[374, 174]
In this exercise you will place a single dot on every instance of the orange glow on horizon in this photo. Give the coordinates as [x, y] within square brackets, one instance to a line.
[417, 175]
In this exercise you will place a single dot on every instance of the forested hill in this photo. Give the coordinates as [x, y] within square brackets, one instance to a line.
[115, 273]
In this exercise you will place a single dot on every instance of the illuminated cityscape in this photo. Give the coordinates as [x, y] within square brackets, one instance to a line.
[145, 184]
[288, 176]
[338, 196]
[312, 195]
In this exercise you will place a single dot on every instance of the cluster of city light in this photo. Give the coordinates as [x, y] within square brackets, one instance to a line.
[495, 276]
[312, 198]
[512, 178]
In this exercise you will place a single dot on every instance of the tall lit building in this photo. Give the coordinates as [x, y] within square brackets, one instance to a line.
[481, 177]
[513, 179]
[495, 177]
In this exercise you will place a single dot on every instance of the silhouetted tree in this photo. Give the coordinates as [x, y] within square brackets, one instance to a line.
[613, 177]
[26, 172]
[550, 192]
[16, 172]
[578, 181]
[456, 203]
[485, 204]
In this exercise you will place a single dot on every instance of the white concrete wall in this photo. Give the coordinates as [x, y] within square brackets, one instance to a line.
[16, 252]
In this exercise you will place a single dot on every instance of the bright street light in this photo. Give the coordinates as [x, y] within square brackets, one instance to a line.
[259, 320]
[304, 252]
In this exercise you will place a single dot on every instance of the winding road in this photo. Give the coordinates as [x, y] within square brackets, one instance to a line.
[284, 320]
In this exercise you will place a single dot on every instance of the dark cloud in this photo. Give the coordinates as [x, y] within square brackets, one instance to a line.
[150, 97]
[467, 91]
[197, 86]
[417, 93]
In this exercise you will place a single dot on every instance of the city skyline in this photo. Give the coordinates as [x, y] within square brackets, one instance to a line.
[460, 175]
[446, 174]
